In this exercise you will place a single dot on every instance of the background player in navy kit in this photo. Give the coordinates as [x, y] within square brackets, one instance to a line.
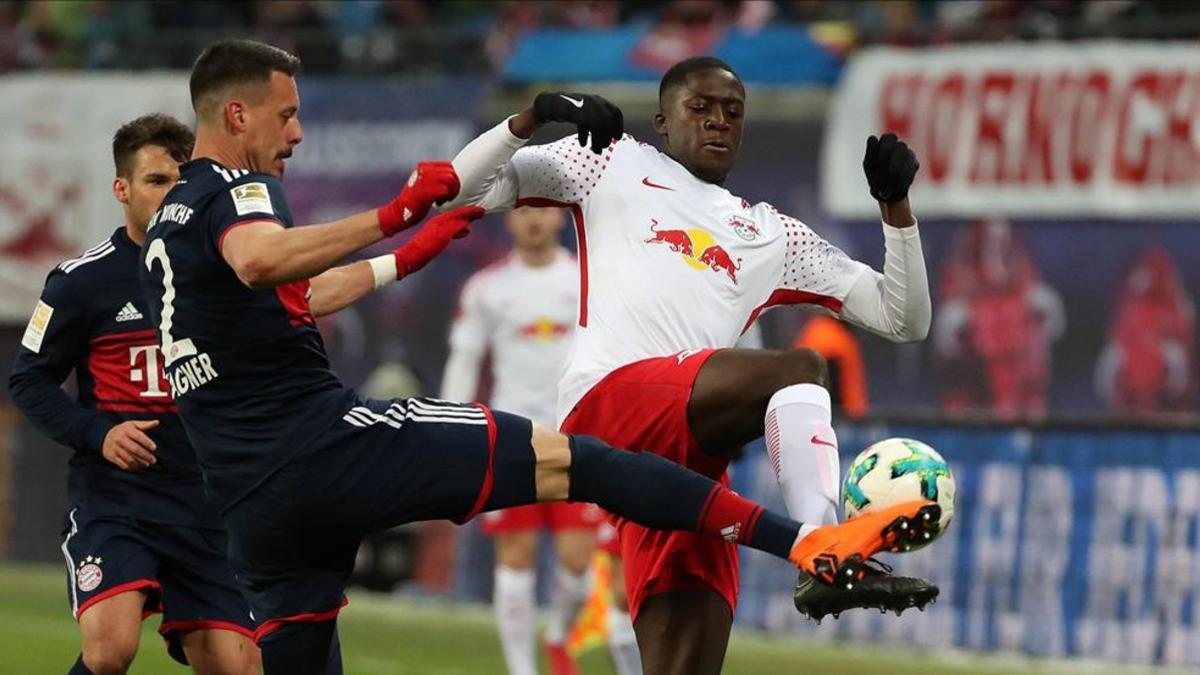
[140, 535]
[302, 467]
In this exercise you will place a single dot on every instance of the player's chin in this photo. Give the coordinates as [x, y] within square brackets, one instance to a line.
[712, 171]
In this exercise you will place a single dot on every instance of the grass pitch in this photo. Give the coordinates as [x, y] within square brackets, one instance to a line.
[382, 635]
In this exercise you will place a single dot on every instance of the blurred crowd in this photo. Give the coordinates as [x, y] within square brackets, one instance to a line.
[476, 36]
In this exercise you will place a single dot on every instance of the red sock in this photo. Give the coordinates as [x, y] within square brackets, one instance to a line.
[731, 516]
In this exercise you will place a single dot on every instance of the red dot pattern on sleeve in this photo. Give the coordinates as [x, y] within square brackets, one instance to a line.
[564, 171]
[809, 261]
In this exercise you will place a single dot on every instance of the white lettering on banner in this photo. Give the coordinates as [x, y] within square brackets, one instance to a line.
[1178, 574]
[1130, 518]
[1044, 553]
[997, 518]
[57, 130]
[1102, 129]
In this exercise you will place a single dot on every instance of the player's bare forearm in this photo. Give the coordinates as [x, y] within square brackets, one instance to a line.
[897, 214]
[340, 287]
[265, 255]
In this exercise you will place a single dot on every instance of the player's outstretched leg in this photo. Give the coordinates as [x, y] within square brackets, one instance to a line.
[740, 395]
[660, 494]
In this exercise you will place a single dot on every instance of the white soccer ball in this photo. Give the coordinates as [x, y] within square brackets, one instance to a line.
[898, 470]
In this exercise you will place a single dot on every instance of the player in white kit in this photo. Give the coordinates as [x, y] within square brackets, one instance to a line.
[673, 268]
[522, 310]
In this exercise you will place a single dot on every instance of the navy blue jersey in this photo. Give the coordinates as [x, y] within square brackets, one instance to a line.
[92, 320]
[247, 367]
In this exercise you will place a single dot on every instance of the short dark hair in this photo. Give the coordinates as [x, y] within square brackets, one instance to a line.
[154, 129]
[677, 74]
[236, 62]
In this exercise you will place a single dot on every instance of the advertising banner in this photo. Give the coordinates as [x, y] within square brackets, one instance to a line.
[1094, 129]
[1065, 543]
[56, 168]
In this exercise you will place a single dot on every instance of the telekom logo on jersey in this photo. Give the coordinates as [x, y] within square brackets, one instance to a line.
[146, 366]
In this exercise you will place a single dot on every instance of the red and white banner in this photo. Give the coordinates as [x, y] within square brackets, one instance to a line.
[56, 168]
[1095, 129]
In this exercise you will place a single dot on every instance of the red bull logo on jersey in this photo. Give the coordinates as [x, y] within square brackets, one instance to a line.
[544, 329]
[698, 249]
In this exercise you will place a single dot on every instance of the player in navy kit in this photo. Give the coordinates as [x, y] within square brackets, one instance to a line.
[140, 537]
[302, 467]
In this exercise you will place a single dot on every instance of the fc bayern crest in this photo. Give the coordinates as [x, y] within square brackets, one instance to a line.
[744, 227]
[89, 576]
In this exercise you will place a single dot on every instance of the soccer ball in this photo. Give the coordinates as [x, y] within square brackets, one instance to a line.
[898, 470]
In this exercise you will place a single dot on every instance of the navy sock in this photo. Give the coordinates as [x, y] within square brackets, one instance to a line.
[303, 648]
[79, 668]
[662, 495]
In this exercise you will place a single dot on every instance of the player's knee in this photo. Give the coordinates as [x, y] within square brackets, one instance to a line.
[213, 653]
[575, 560]
[110, 656]
[243, 662]
[517, 552]
[802, 366]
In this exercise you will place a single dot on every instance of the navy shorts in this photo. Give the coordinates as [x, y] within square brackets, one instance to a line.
[293, 540]
[182, 570]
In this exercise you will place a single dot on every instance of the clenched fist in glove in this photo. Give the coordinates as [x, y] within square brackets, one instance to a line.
[589, 113]
[430, 183]
[890, 166]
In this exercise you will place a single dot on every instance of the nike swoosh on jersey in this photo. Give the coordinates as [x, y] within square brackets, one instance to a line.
[578, 103]
[647, 183]
[820, 441]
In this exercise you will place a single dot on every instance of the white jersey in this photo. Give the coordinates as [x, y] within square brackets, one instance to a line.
[524, 316]
[670, 262]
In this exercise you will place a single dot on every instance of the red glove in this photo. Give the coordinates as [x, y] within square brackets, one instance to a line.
[430, 183]
[433, 238]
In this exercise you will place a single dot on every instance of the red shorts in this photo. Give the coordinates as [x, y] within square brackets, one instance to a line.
[552, 516]
[643, 407]
[607, 539]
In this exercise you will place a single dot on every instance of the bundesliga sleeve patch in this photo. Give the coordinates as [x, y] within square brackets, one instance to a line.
[36, 330]
[251, 198]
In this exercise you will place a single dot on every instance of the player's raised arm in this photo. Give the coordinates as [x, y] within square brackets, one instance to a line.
[495, 175]
[894, 304]
[263, 253]
[341, 286]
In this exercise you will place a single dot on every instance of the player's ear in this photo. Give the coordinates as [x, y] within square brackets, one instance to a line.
[660, 124]
[120, 189]
[235, 116]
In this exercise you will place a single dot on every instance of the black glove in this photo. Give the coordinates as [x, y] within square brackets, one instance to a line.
[890, 166]
[588, 112]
